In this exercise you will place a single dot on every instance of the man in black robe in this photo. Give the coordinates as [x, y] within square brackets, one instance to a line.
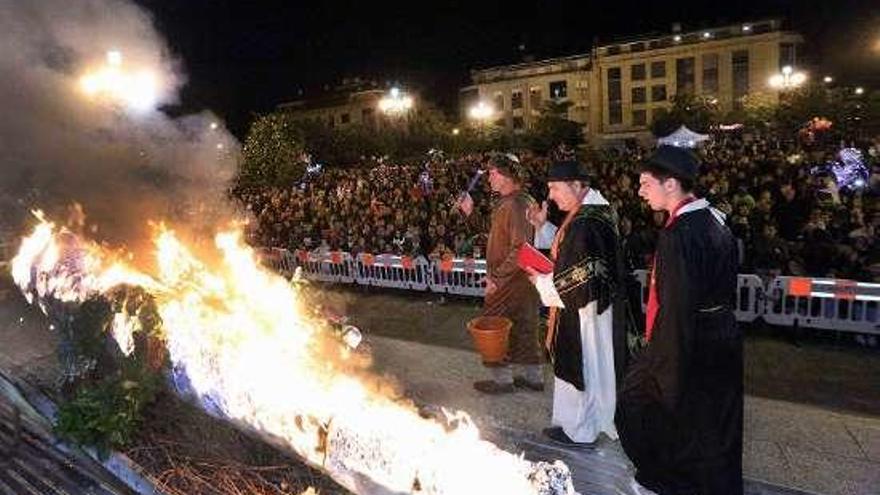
[680, 409]
[582, 291]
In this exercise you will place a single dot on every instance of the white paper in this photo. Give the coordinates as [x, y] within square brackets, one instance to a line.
[547, 291]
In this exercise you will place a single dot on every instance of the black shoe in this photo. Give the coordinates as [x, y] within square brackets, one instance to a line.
[522, 382]
[557, 436]
[492, 387]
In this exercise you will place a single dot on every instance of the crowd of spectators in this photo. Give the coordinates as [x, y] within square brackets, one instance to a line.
[788, 216]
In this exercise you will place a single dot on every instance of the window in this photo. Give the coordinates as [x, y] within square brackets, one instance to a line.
[787, 54]
[559, 89]
[658, 93]
[740, 73]
[639, 118]
[367, 115]
[615, 91]
[518, 123]
[637, 72]
[658, 69]
[345, 118]
[684, 75]
[639, 95]
[710, 74]
[535, 98]
[499, 102]
[516, 99]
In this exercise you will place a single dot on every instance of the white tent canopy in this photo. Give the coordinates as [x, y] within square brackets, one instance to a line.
[683, 138]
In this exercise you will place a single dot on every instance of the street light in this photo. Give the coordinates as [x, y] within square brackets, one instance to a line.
[136, 90]
[860, 90]
[828, 79]
[396, 102]
[481, 112]
[788, 79]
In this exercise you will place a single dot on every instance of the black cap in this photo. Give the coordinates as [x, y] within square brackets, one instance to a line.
[565, 171]
[680, 162]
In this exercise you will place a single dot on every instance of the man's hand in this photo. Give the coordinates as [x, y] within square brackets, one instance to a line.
[537, 215]
[490, 286]
[465, 203]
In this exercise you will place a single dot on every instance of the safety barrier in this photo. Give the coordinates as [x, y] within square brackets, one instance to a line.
[333, 267]
[843, 305]
[749, 295]
[386, 270]
[788, 301]
[462, 276]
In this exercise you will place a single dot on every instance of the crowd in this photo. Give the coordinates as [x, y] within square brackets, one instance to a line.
[789, 218]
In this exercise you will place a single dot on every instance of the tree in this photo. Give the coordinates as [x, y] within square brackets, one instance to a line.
[698, 113]
[273, 152]
[553, 128]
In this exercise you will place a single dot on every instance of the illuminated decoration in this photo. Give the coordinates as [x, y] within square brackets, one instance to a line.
[850, 171]
[134, 90]
[396, 102]
[788, 79]
[482, 111]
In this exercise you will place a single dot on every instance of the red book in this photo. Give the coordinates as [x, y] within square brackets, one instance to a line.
[529, 257]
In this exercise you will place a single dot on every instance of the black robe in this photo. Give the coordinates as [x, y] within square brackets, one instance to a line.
[680, 410]
[588, 267]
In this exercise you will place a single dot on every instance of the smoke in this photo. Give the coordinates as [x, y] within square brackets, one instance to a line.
[124, 160]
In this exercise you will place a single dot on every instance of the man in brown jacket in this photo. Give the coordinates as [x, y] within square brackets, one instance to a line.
[509, 292]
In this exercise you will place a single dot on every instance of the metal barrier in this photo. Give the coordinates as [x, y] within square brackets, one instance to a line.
[749, 295]
[462, 276]
[824, 303]
[386, 270]
[788, 301]
[334, 267]
[749, 298]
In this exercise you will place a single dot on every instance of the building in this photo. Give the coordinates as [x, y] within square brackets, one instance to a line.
[352, 103]
[616, 89]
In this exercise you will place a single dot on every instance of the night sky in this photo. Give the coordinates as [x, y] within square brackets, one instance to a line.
[245, 56]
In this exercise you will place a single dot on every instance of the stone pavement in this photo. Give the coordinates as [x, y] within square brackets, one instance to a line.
[788, 448]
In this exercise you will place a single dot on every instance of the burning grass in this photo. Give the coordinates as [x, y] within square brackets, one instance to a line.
[185, 452]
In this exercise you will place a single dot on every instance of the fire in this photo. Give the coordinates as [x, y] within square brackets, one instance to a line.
[241, 344]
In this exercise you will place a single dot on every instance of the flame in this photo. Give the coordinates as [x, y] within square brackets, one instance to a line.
[240, 342]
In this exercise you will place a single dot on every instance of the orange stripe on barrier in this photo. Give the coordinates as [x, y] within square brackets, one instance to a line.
[800, 287]
[446, 264]
[407, 262]
[369, 259]
[336, 257]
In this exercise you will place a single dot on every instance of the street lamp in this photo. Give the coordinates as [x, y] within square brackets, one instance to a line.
[828, 79]
[112, 82]
[860, 90]
[788, 79]
[396, 102]
[481, 112]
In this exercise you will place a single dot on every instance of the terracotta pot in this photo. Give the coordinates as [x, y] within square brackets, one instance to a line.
[490, 334]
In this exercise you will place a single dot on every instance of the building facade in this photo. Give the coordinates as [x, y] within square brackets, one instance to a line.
[616, 89]
[339, 110]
